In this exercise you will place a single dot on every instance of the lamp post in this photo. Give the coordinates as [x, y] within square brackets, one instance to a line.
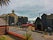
[7, 28]
[8, 20]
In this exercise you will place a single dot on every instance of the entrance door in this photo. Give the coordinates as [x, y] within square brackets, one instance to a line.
[11, 21]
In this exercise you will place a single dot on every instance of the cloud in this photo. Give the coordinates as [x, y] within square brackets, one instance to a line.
[29, 8]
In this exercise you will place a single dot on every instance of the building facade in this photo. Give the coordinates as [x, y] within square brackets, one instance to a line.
[22, 20]
[10, 18]
[13, 19]
[47, 20]
[44, 22]
[38, 24]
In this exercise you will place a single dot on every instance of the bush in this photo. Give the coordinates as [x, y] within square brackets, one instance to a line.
[2, 38]
[28, 36]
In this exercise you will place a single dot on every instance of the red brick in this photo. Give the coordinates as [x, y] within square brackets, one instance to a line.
[2, 30]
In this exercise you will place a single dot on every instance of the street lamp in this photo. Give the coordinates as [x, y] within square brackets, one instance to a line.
[7, 28]
[8, 20]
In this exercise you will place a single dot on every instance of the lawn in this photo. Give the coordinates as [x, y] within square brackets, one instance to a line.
[5, 37]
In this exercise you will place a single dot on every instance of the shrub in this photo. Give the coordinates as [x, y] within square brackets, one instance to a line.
[2, 38]
[28, 36]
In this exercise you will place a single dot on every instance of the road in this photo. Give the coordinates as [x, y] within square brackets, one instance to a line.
[35, 35]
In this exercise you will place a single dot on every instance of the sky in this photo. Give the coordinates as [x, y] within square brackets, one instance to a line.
[28, 8]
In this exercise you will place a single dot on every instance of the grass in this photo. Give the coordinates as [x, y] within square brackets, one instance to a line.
[2, 38]
[5, 37]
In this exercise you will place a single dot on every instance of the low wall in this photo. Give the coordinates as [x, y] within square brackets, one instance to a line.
[2, 30]
[17, 36]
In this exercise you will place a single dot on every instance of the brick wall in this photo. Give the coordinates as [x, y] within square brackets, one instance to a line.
[2, 30]
[17, 36]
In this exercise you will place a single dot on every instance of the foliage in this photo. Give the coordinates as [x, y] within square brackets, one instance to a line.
[2, 38]
[4, 2]
[28, 36]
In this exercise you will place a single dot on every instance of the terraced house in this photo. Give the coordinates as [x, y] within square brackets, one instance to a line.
[44, 22]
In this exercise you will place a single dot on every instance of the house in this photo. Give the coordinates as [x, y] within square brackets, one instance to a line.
[2, 26]
[38, 24]
[22, 20]
[10, 18]
[47, 20]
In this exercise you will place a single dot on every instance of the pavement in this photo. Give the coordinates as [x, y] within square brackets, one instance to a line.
[35, 35]
[48, 37]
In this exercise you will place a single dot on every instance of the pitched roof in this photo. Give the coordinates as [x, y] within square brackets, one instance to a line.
[50, 16]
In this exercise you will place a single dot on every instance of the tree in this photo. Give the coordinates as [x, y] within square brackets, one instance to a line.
[4, 2]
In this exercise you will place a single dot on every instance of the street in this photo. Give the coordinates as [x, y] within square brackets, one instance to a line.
[35, 35]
